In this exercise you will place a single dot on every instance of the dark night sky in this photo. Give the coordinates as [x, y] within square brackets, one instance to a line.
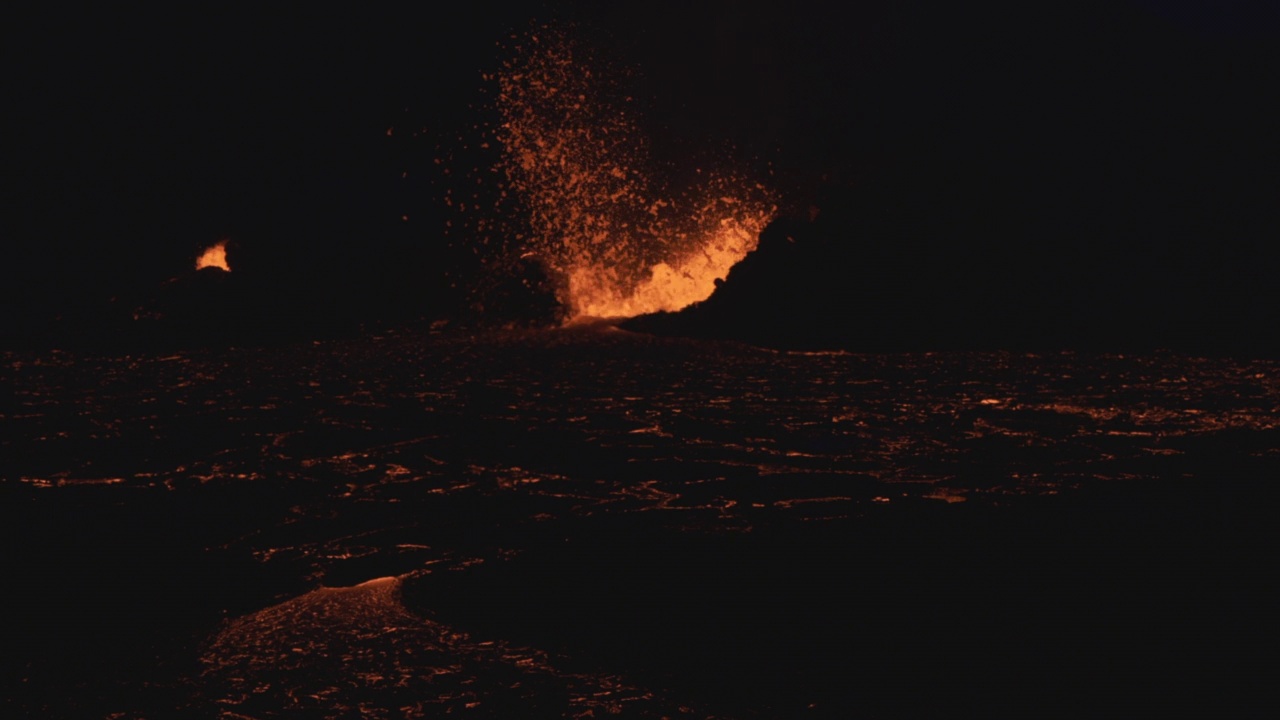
[1123, 152]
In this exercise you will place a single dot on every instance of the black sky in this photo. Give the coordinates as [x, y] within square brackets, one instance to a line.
[1122, 150]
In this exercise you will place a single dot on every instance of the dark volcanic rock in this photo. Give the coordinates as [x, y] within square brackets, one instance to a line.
[209, 306]
[521, 293]
[804, 287]
[868, 276]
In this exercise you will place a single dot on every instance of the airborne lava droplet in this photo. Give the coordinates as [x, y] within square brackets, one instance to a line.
[591, 203]
[214, 256]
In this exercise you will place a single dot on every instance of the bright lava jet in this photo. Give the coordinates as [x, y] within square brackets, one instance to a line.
[580, 191]
[214, 256]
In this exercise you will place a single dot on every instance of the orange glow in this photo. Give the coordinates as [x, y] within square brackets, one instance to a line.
[576, 166]
[597, 291]
[214, 256]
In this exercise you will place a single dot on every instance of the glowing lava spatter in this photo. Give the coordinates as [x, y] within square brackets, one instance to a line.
[214, 256]
[575, 168]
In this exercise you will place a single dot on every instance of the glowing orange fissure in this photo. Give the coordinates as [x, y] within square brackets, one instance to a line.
[215, 257]
[575, 158]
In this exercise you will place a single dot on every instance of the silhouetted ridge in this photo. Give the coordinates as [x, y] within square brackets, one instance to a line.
[873, 275]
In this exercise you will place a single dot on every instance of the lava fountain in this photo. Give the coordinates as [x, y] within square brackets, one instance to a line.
[214, 256]
[575, 168]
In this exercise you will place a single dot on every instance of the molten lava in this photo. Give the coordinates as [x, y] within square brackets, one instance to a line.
[590, 203]
[215, 257]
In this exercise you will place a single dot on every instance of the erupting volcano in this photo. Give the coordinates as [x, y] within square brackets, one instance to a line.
[214, 256]
[580, 191]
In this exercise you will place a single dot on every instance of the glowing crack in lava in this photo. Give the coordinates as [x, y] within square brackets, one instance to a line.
[592, 205]
[214, 256]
